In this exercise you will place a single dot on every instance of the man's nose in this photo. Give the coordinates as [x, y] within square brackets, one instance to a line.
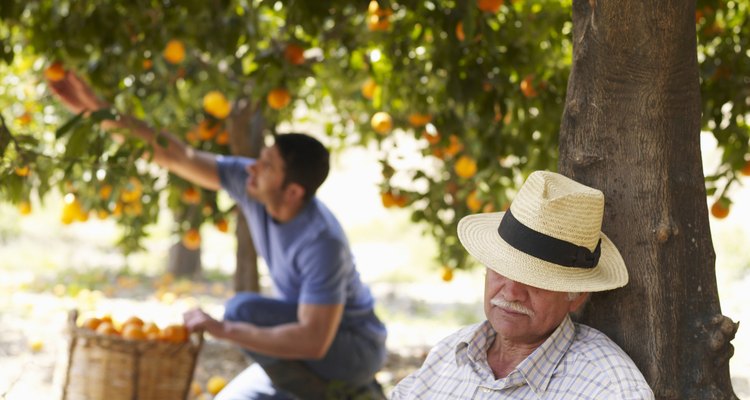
[514, 291]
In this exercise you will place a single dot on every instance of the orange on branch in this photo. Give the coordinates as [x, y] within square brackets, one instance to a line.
[174, 52]
[446, 274]
[465, 167]
[295, 54]
[278, 98]
[473, 202]
[491, 6]
[745, 170]
[192, 239]
[377, 23]
[206, 130]
[720, 209]
[222, 138]
[105, 192]
[132, 190]
[133, 320]
[55, 72]
[460, 35]
[454, 146]
[431, 138]
[222, 225]
[527, 87]
[22, 171]
[381, 122]
[368, 88]
[216, 104]
[147, 64]
[191, 196]
[417, 119]
[24, 208]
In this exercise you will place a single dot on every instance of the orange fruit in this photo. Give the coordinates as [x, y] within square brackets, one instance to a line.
[192, 239]
[473, 202]
[22, 171]
[454, 146]
[191, 196]
[102, 214]
[151, 330]
[105, 191]
[390, 199]
[222, 138]
[460, 31]
[416, 119]
[222, 225]
[295, 54]
[432, 139]
[368, 88]
[55, 72]
[174, 333]
[91, 323]
[376, 23]
[465, 167]
[215, 384]
[25, 119]
[133, 321]
[106, 328]
[132, 190]
[174, 52]
[207, 130]
[720, 209]
[491, 6]
[36, 345]
[278, 98]
[446, 274]
[196, 389]
[147, 64]
[133, 209]
[133, 332]
[24, 208]
[746, 169]
[527, 88]
[72, 210]
[381, 122]
[216, 104]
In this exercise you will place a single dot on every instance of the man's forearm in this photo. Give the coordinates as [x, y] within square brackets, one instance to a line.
[289, 341]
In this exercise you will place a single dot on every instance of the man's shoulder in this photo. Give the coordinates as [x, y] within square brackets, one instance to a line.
[593, 352]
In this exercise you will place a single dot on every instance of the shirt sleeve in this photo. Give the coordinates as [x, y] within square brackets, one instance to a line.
[324, 264]
[233, 175]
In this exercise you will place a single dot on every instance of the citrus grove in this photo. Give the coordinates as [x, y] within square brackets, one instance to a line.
[478, 85]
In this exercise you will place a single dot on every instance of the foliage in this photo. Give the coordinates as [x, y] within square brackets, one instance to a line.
[476, 95]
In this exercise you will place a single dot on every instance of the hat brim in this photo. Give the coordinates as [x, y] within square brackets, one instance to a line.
[478, 234]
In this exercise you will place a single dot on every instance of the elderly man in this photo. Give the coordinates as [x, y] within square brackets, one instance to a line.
[543, 257]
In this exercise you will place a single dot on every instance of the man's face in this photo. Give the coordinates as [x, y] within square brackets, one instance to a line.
[524, 314]
[266, 180]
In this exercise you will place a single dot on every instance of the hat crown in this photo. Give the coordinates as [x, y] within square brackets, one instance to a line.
[560, 207]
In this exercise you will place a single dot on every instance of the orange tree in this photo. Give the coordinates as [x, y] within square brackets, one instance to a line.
[476, 88]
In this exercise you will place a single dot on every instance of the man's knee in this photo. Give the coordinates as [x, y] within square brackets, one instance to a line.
[240, 306]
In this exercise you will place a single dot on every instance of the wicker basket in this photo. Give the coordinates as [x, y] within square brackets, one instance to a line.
[111, 368]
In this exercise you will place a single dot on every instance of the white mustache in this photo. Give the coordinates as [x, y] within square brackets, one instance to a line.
[512, 306]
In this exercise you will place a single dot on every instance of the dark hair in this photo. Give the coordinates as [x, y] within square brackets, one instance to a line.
[306, 161]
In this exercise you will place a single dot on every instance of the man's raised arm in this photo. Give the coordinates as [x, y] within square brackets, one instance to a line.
[169, 152]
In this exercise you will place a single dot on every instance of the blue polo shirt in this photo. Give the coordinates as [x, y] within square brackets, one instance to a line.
[309, 258]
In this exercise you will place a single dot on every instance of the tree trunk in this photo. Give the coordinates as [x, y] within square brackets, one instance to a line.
[245, 129]
[631, 128]
[184, 262]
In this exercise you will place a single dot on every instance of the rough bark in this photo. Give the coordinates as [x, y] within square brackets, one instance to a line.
[631, 128]
[245, 129]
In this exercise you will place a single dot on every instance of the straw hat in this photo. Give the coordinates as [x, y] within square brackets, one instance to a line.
[550, 238]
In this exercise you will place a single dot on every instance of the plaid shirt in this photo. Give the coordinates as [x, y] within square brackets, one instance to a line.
[575, 362]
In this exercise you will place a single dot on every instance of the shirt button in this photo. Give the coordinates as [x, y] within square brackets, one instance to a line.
[486, 390]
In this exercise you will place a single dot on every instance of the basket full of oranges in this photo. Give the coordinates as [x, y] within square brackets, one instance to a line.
[131, 359]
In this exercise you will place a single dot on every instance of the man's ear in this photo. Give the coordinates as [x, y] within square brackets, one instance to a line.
[294, 192]
[577, 303]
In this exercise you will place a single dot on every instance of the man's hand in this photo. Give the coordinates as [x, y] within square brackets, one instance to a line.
[198, 320]
[76, 94]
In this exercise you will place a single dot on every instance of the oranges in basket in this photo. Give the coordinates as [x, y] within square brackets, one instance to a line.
[134, 328]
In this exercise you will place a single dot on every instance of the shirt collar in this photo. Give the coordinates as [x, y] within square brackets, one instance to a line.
[536, 369]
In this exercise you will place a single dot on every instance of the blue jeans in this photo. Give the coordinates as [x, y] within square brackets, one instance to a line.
[353, 357]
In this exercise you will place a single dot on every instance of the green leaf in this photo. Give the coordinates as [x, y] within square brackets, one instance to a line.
[66, 127]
